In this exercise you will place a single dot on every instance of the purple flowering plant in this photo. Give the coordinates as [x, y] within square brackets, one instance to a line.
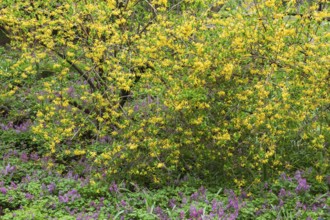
[75, 194]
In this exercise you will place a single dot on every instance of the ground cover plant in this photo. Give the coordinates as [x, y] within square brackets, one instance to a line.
[45, 192]
[125, 109]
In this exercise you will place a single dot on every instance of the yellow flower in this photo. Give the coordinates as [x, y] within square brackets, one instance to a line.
[105, 156]
[155, 179]
[227, 71]
[24, 75]
[50, 165]
[132, 146]
[221, 93]
[92, 154]
[65, 103]
[160, 165]
[79, 152]
[319, 178]
[92, 182]
[56, 65]
[70, 54]
[162, 2]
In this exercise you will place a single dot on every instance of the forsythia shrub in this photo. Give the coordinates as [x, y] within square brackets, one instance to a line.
[153, 89]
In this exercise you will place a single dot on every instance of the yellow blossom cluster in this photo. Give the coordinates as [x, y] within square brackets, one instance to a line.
[151, 90]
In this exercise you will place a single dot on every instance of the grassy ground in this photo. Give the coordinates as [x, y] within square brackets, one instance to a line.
[34, 187]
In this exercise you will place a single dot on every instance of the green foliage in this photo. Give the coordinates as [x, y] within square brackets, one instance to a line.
[43, 193]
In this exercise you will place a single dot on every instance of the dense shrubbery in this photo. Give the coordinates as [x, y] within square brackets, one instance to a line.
[99, 99]
[151, 91]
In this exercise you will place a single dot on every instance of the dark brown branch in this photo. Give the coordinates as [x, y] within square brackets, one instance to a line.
[75, 104]
[124, 94]
[81, 73]
[91, 84]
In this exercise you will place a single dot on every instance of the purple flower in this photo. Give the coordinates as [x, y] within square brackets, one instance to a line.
[258, 212]
[314, 208]
[101, 204]
[220, 212]
[71, 175]
[217, 208]
[282, 193]
[297, 175]
[233, 216]
[51, 187]
[69, 196]
[232, 201]
[300, 205]
[3, 127]
[13, 185]
[171, 203]
[113, 188]
[23, 127]
[202, 192]
[182, 215]
[266, 185]
[184, 200]
[3, 190]
[160, 213]
[73, 194]
[7, 127]
[68, 209]
[24, 157]
[302, 185]
[34, 156]
[29, 196]
[105, 139]
[285, 177]
[123, 203]
[9, 169]
[92, 203]
[26, 179]
[194, 196]
[214, 205]
[63, 199]
[95, 215]
[281, 203]
[244, 195]
[79, 217]
[52, 206]
[193, 212]
[70, 91]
